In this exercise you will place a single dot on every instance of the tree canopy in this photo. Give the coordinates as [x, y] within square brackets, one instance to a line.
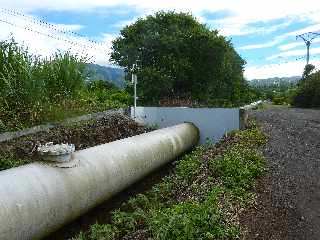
[176, 57]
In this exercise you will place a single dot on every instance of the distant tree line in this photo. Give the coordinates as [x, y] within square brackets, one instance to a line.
[303, 93]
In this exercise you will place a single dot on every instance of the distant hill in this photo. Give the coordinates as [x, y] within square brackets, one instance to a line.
[111, 74]
[276, 81]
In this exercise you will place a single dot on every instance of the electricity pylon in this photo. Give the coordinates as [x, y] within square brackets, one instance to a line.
[307, 38]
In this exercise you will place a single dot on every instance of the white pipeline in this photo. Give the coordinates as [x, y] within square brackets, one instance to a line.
[36, 199]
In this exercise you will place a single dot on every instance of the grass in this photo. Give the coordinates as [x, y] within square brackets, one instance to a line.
[9, 161]
[34, 90]
[201, 199]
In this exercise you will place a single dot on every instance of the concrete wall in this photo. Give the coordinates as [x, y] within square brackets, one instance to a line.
[212, 122]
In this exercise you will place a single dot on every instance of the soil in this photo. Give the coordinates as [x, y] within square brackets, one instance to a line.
[82, 135]
[288, 196]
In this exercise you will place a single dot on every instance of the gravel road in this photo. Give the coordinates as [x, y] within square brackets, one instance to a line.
[288, 197]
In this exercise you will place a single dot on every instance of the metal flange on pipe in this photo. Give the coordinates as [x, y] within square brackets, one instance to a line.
[37, 199]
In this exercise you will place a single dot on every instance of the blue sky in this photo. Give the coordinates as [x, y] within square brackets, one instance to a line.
[263, 32]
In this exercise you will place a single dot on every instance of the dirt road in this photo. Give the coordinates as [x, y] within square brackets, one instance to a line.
[288, 204]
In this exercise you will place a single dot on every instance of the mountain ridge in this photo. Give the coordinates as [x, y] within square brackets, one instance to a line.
[110, 74]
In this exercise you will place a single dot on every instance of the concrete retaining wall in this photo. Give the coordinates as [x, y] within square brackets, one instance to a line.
[212, 122]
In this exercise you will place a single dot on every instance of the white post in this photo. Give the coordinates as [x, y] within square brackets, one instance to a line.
[134, 81]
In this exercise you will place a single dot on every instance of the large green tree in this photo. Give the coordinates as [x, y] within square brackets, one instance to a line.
[177, 57]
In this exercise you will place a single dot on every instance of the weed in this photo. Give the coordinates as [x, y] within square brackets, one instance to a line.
[191, 220]
[103, 232]
[189, 165]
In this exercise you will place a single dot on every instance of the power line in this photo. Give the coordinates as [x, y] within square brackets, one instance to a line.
[73, 43]
[45, 24]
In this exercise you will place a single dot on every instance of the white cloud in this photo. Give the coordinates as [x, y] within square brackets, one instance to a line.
[122, 24]
[296, 44]
[243, 12]
[311, 28]
[44, 40]
[294, 53]
[294, 68]
[289, 46]
[262, 45]
[235, 26]
[280, 38]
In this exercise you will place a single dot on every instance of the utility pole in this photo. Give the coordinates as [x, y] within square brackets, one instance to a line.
[134, 81]
[307, 38]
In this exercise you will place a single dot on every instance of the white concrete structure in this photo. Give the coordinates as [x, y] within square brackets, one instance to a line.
[213, 123]
[37, 198]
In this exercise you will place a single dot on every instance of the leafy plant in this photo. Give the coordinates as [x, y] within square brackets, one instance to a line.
[192, 220]
[239, 167]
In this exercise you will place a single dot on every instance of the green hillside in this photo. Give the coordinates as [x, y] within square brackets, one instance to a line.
[111, 74]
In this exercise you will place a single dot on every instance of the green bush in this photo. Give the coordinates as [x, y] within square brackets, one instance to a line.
[308, 92]
[279, 100]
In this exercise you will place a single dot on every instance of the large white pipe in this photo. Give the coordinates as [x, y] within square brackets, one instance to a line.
[37, 199]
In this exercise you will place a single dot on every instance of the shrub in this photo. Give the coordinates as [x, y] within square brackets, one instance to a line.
[308, 93]
[279, 100]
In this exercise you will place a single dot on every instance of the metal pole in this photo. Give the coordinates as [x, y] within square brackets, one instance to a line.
[308, 51]
[134, 81]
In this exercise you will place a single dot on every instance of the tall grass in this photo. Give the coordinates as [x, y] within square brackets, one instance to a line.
[35, 90]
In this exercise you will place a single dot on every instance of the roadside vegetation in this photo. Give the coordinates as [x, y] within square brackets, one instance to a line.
[278, 92]
[200, 199]
[34, 90]
[304, 93]
[307, 93]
